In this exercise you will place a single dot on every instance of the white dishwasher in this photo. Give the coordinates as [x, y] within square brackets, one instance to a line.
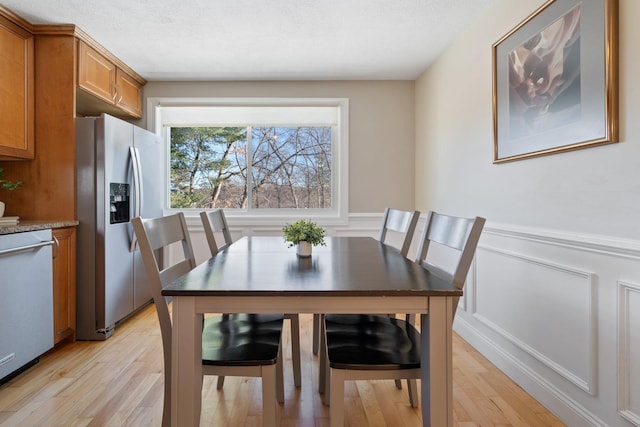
[26, 300]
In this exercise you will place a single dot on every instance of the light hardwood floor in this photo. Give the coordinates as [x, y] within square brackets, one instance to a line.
[118, 382]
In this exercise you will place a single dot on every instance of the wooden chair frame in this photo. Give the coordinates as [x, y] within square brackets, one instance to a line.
[394, 220]
[215, 221]
[153, 236]
[461, 234]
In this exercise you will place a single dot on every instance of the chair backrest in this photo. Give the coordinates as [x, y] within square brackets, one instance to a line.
[460, 234]
[215, 222]
[402, 222]
[154, 234]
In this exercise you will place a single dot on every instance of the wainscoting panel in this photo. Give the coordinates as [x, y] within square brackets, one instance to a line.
[553, 305]
[560, 314]
[629, 352]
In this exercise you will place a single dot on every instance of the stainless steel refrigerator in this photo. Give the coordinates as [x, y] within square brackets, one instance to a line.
[118, 177]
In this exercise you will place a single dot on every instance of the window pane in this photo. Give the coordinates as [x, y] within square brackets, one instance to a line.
[291, 167]
[208, 167]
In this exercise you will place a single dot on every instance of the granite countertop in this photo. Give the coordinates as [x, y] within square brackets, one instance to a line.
[33, 225]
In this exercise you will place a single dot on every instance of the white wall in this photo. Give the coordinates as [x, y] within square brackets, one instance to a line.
[554, 298]
[595, 191]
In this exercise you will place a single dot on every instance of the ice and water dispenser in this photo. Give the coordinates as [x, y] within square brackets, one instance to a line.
[119, 199]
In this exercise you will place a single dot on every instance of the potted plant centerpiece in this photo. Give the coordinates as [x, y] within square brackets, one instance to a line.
[7, 185]
[304, 234]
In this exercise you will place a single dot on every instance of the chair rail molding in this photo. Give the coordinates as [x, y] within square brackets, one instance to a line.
[359, 224]
[586, 242]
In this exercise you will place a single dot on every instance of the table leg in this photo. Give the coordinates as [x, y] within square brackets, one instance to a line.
[436, 362]
[322, 360]
[186, 364]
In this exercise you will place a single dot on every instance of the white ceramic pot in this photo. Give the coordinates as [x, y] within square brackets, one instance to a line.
[303, 249]
[1, 209]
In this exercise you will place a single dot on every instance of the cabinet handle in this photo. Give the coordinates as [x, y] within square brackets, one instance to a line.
[116, 94]
[56, 247]
[27, 247]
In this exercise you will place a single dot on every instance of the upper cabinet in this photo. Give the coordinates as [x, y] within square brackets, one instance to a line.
[96, 74]
[128, 93]
[16, 89]
[63, 89]
[100, 77]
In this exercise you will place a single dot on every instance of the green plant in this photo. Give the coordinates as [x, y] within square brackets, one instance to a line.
[304, 230]
[8, 185]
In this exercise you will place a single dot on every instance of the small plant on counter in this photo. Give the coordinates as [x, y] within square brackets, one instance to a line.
[304, 230]
[8, 185]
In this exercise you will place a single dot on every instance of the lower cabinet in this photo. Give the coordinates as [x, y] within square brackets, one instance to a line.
[64, 284]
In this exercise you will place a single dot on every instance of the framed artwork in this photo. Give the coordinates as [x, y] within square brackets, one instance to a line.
[555, 85]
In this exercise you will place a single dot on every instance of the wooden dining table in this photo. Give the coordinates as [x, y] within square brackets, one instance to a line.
[260, 274]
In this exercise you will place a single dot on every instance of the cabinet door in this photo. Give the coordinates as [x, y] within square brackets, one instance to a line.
[96, 74]
[16, 92]
[64, 284]
[128, 93]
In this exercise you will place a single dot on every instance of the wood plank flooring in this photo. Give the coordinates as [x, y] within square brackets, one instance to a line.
[119, 382]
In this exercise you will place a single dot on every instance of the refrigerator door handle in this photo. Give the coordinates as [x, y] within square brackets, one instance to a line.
[137, 191]
[139, 186]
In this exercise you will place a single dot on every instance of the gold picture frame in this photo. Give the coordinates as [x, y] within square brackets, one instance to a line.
[555, 80]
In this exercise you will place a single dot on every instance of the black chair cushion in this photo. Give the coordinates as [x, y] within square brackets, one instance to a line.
[367, 342]
[241, 339]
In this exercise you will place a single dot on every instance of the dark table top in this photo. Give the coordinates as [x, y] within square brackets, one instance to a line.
[347, 266]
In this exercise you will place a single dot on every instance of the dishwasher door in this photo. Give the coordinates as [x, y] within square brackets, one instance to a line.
[26, 299]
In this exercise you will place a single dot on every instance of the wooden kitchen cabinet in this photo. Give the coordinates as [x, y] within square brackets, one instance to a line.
[16, 88]
[64, 284]
[96, 73]
[129, 93]
[49, 181]
[100, 77]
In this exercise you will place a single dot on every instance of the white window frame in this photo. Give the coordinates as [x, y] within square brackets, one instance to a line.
[336, 215]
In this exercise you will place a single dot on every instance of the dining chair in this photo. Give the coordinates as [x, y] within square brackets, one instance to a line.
[401, 225]
[401, 222]
[232, 345]
[363, 347]
[215, 222]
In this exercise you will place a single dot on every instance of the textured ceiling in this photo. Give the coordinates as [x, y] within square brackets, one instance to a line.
[265, 39]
